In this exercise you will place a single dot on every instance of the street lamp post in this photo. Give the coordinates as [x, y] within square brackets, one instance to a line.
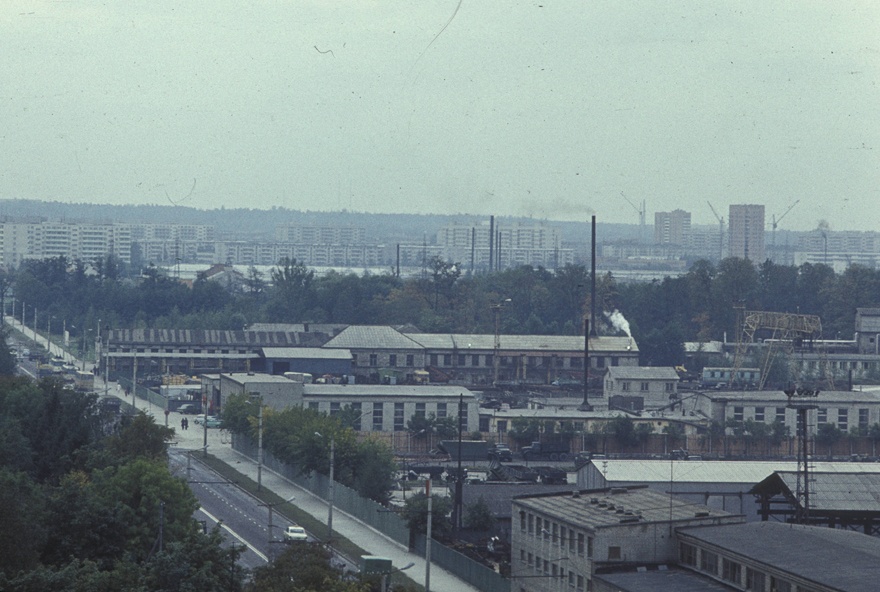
[271, 507]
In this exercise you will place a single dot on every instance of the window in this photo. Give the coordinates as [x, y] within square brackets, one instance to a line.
[576, 363]
[737, 413]
[754, 580]
[522, 521]
[863, 419]
[624, 386]
[821, 415]
[462, 359]
[580, 583]
[410, 360]
[420, 409]
[644, 386]
[777, 585]
[398, 417]
[530, 559]
[392, 360]
[475, 360]
[687, 554]
[377, 417]
[334, 408]
[759, 414]
[563, 538]
[613, 552]
[433, 358]
[374, 360]
[489, 360]
[447, 359]
[670, 387]
[589, 546]
[730, 570]
[463, 419]
[780, 414]
[843, 419]
[709, 562]
[313, 405]
[522, 555]
[441, 410]
[357, 408]
[531, 523]
[580, 544]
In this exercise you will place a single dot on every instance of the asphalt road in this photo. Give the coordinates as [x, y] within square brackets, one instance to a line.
[243, 519]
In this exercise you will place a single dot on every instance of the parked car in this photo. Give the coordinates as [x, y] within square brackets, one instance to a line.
[189, 408]
[295, 533]
[214, 422]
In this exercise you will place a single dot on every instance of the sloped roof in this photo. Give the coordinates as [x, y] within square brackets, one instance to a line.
[834, 558]
[830, 492]
[710, 471]
[532, 343]
[643, 373]
[371, 337]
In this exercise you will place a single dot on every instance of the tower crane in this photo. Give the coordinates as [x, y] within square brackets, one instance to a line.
[641, 212]
[720, 232]
[776, 222]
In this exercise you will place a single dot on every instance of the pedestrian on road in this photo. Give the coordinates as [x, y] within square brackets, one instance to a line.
[182, 423]
[185, 423]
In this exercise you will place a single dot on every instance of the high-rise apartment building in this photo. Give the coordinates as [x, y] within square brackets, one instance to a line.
[746, 232]
[672, 228]
[513, 244]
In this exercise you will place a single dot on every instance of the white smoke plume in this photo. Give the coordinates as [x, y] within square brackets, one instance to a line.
[618, 321]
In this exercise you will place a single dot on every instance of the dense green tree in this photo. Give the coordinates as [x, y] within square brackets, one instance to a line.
[21, 522]
[415, 513]
[478, 515]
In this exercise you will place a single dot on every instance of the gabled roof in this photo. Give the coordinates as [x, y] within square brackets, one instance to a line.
[642, 373]
[829, 492]
[371, 337]
[532, 343]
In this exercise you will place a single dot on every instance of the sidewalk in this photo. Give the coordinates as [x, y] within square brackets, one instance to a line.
[372, 541]
[361, 535]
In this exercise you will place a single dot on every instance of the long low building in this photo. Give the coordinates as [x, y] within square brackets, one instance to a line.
[372, 353]
[380, 408]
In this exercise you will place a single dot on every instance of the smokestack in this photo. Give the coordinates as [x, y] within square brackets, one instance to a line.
[592, 323]
[491, 242]
[585, 406]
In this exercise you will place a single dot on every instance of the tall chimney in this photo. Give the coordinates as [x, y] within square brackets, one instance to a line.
[491, 242]
[593, 281]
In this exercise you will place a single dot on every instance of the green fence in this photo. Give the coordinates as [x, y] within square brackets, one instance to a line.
[380, 518]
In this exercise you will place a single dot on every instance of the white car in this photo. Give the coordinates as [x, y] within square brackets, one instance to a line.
[295, 534]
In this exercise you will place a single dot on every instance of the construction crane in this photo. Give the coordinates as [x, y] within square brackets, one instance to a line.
[720, 232]
[776, 222]
[641, 212]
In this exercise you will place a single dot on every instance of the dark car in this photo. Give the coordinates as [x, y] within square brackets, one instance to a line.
[189, 408]
[500, 452]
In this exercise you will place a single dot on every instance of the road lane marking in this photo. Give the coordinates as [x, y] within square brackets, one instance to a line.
[233, 533]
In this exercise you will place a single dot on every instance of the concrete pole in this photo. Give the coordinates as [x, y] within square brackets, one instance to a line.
[332, 490]
[428, 541]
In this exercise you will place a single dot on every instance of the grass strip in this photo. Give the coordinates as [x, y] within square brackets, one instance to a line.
[295, 514]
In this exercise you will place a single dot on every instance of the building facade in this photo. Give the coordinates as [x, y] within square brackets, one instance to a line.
[746, 230]
[672, 228]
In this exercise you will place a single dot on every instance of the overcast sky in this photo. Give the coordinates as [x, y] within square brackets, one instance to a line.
[548, 108]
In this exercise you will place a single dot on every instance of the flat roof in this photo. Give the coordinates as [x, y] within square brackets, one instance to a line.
[779, 398]
[307, 353]
[660, 580]
[832, 557]
[384, 390]
[245, 378]
[643, 372]
[710, 471]
[647, 504]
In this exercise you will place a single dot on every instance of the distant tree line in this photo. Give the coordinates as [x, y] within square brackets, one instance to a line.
[662, 314]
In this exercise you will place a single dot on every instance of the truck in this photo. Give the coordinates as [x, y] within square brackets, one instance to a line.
[471, 450]
[549, 447]
[84, 381]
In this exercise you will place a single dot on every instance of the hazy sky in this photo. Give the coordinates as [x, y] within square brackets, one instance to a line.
[549, 108]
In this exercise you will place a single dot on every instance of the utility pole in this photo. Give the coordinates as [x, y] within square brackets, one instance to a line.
[428, 540]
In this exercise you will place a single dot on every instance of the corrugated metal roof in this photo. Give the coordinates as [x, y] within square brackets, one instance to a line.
[535, 343]
[617, 471]
[372, 337]
[651, 505]
[835, 558]
[643, 372]
[779, 398]
[841, 492]
[302, 353]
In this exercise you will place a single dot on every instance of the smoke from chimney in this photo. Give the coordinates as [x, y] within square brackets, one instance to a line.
[619, 322]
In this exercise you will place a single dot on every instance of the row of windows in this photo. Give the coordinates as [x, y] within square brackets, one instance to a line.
[575, 581]
[557, 534]
[731, 571]
[762, 414]
[182, 350]
[379, 415]
[626, 385]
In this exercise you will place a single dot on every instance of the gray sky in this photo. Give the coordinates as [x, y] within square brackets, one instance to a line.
[549, 108]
